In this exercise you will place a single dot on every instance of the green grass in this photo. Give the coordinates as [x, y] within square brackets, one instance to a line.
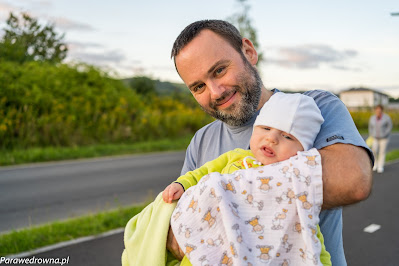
[392, 155]
[48, 234]
[11, 157]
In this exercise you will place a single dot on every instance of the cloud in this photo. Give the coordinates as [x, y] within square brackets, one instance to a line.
[5, 9]
[392, 90]
[36, 4]
[67, 24]
[79, 46]
[62, 23]
[164, 68]
[107, 57]
[310, 56]
[42, 3]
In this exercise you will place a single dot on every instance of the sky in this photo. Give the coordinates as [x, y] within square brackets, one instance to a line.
[330, 45]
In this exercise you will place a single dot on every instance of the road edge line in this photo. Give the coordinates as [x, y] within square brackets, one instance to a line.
[392, 162]
[66, 244]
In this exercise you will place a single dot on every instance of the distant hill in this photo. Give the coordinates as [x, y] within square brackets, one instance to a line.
[165, 87]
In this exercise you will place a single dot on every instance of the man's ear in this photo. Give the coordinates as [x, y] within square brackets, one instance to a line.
[249, 51]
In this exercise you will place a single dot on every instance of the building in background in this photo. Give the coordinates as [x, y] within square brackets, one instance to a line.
[363, 98]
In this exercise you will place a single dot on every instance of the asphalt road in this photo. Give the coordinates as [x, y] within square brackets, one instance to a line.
[380, 248]
[39, 193]
[34, 194]
[393, 142]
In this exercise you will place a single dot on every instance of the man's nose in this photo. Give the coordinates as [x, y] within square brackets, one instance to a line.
[216, 89]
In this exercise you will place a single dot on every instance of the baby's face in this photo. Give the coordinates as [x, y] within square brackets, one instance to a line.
[270, 145]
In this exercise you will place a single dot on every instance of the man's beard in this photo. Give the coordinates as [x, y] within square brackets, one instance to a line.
[250, 88]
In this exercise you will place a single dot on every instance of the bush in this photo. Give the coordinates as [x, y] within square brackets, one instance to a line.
[45, 105]
[361, 118]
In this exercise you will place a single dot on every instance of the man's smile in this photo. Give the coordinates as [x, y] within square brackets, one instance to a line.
[228, 100]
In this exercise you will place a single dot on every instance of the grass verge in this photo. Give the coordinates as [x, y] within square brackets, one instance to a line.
[31, 155]
[392, 155]
[52, 233]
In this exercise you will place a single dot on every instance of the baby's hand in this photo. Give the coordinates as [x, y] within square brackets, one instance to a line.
[172, 192]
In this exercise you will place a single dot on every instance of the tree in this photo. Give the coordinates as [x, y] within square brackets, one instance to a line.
[26, 40]
[243, 22]
[142, 85]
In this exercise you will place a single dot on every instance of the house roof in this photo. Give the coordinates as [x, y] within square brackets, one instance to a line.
[363, 89]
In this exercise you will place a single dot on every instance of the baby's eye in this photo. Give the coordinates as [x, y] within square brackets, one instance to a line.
[266, 128]
[287, 136]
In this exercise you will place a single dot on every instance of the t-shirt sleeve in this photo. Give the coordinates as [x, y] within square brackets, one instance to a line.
[338, 126]
[191, 157]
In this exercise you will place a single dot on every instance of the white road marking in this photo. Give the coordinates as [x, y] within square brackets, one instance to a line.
[372, 228]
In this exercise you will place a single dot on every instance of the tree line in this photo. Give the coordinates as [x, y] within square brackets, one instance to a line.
[45, 102]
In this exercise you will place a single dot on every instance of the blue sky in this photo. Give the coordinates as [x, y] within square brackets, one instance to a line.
[331, 45]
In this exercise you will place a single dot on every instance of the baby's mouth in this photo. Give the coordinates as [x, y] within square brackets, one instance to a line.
[267, 151]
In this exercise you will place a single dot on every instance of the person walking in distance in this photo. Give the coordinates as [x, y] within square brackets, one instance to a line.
[380, 126]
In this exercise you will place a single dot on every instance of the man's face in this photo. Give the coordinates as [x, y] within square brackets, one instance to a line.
[270, 145]
[378, 111]
[225, 85]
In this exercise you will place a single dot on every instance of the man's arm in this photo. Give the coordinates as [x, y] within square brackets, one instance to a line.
[347, 175]
[172, 246]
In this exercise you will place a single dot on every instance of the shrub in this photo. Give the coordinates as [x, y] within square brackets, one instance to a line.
[46, 105]
[361, 118]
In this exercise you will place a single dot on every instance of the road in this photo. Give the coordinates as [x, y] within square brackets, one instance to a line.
[380, 248]
[39, 193]
[393, 142]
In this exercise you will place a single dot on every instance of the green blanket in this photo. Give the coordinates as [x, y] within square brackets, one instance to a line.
[145, 237]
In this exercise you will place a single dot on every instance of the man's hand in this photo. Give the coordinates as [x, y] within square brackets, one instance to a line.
[172, 192]
[347, 175]
[173, 247]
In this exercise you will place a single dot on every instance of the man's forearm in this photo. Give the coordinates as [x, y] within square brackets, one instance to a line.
[347, 175]
[173, 246]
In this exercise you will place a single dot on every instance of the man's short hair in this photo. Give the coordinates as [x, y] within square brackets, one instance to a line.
[223, 28]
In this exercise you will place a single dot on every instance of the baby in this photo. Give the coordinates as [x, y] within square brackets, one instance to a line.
[233, 200]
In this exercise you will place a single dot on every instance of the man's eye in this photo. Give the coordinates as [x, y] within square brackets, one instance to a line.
[219, 71]
[198, 87]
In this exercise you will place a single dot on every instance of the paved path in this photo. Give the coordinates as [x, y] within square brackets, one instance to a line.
[361, 248]
[60, 190]
[39, 193]
[393, 142]
[381, 208]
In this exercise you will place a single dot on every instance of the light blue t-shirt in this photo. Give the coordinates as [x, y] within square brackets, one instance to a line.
[217, 138]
